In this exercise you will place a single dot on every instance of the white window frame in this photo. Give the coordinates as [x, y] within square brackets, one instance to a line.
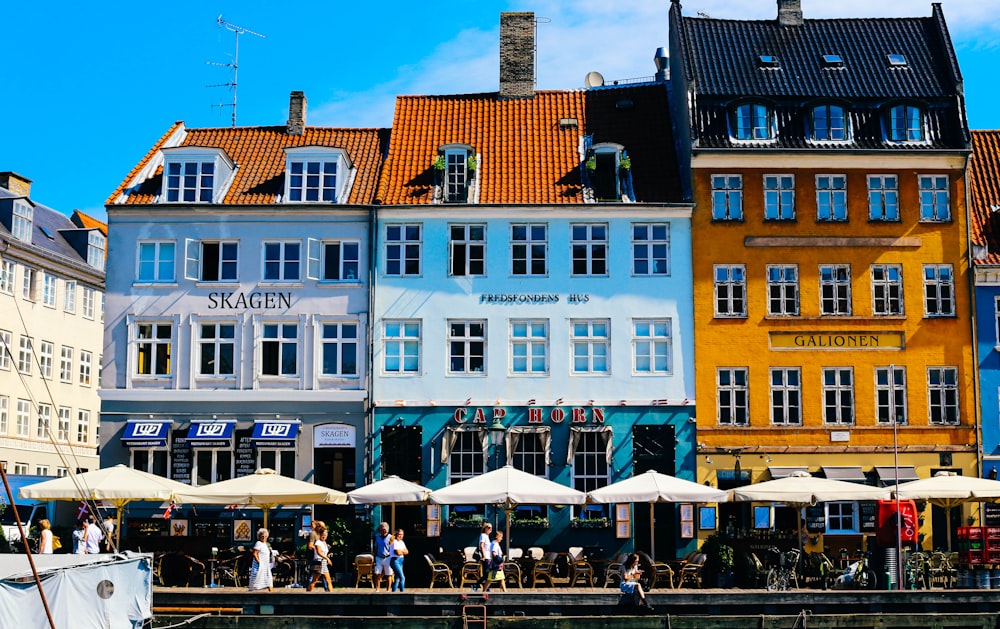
[4, 415]
[22, 221]
[402, 342]
[939, 290]
[324, 254]
[21, 468]
[25, 355]
[831, 198]
[463, 343]
[835, 290]
[727, 197]
[44, 421]
[69, 296]
[652, 347]
[590, 346]
[96, 247]
[314, 176]
[935, 198]
[217, 343]
[29, 284]
[63, 414]
[838, 396]
[156, 346]
[281, 460]
[457, 181]
[87, 302]
[756, 124]
[588, 249]
[730, 290]
[154, 459]
[46, 357]
[732, 388]
[66, 364]
[404, 247]
[83, 426]
[779, 197]
[8, 272]
[890, 396]
[286, 265]
[883, 198]
[6, 349]
[22, 418]
[466, 458]
[906, 131]
[86, 361]
[341, 343]
[217, 471]
[224, 262]
[943, 396]
[529, 342]
[164, 262]
[829, 129]
[887, 290]
[50, 284]
[783, 290]
[194, 176]
[282, 342]
[523, 247]
[589, 468]
[470, 240]
[786, 396]
[650, 249]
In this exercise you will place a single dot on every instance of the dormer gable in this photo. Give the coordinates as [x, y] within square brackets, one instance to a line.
[195, 174]
[317, 174]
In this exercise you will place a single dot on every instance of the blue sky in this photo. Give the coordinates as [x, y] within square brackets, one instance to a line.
[90, 87]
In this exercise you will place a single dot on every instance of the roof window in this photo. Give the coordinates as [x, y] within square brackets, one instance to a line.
[897, 61]
[768, 61]
[833, 61]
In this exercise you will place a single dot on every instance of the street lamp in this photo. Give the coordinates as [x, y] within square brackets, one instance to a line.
[496, 433]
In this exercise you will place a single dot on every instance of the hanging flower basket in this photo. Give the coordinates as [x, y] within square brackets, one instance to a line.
[465, 523]
[529, 523]
[590, 523]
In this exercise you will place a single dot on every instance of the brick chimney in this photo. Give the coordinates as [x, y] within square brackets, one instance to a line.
[15, 183]
[296, 113]
[517, 55]
[790, 12]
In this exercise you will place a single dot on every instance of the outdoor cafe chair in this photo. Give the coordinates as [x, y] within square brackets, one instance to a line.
[544, 569]
[614, 570]
[579, 568]
[511, 567]
[691, 573]
[660, 573]
[439, 571]
[364, 568]
[471, 569]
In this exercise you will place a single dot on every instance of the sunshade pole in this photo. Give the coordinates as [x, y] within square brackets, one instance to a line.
[392, 517]
[652, 537]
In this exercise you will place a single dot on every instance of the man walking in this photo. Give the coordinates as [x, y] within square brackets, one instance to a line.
[93, 537]
[383, 555]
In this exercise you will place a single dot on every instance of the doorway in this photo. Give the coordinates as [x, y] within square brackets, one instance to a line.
[335, 468]
[653, 449]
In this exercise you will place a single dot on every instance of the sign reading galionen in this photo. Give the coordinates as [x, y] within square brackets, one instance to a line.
[837, 340]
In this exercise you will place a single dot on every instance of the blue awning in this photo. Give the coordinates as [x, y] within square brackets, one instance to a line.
[146, 433]
[211, 434]
[274, 434]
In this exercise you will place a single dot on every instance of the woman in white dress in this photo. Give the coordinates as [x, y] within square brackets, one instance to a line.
[321, 558]
[45, 537]
[260, 570]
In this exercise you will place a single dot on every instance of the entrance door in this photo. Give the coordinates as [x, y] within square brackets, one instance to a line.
[334, 469]
[653, 449]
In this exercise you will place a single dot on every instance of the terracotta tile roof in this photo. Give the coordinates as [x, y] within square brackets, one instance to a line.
[260, 159]
[88, 222]
[984, 195]
[527, 157]
[147, 158]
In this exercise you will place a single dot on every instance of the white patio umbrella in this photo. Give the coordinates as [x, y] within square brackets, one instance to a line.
[949, 490]
[653, 487]
[506, 488]
[118, 485]
[265, 488]
[391, 490]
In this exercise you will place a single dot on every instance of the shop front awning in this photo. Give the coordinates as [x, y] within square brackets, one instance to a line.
[887, 475]
[146, 433]
[784, 471]
[848, 473]
[274, 433]
[211, 433]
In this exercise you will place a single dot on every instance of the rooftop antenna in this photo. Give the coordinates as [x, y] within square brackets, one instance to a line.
[234, 65]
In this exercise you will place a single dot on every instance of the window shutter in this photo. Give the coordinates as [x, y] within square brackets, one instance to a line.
[313, 248]
[192, 259]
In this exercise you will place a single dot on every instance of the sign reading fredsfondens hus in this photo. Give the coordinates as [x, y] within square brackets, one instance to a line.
[837, 340]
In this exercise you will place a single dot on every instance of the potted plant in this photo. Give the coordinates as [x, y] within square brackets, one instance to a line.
[718, 561]
[530, 523]
[590, 523]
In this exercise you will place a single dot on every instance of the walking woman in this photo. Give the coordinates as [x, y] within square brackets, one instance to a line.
[399, 552]
[496, 574]
[321, 560]
[630, 582]
[260, 570]
[45, 538]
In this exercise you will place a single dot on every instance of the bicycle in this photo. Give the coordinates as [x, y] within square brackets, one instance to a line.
[781, 576]
[857, 576]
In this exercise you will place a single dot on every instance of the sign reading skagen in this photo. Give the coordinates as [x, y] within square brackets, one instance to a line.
[334, 436]
[837, 340]
[266, 299]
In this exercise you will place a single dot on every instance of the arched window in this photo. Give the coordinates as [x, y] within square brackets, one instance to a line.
[829, 123]
[752, 121]
[906, 123]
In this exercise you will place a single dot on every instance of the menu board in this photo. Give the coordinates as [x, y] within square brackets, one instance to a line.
[991, 514]
[220, 529]
[869, 518]
[816, 519]
[180, 458]
[246, 454]
[151, 527]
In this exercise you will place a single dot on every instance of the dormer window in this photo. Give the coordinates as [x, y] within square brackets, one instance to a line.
[610, 171]
[833, 61]
[22, 220]
[455, 171]
[768, 62]
[905, 123]
[829, 123]
[897, 61]
[752, 121]
[316, 175]
[194, 174]
[96, 245]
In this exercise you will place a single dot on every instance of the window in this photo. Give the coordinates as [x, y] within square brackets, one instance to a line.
[529, 249]
[24, 355]
[6, 349]
[46, 351]
[529, 346]
[467, 250]
[340, 349]
[590, 460]
[62, 472]
[942, 395]
[4, 415]
[591, 345]
[86, 358]
[401, 343]
[786, 396]
[334, 260]
[456, 176]
[22, 419]
[835, 289]
[44, 421]
[939, 290]
[733, 398]
[29, 285]
[21, 221]
[189, 181]
[842, 518]
[21, 468]
[779, 197]
[831, 198]
[896, 60]
[651, 346]
[211, 466]
[890, 395]
[7, 268]
[782, 290]
[730, 290]
[282, 260]
[934, 200]
[589, 246]
[62, 429]
[403, 245]
[727, 197]
[281, 460]
[466, 347]
[651, 249]
[49, 290]
[212, 260]
[216, 349]
[154, 343]
[466, 457]
[609, 172]
[88, 302]
[752, 121]
[829, 123]
[887, 289]
[838, 395]
[83, 426]
[883, 198]
[905, 124]
[150, 460]
[69, 296]
[312, 181]
[156, 262]
[96, 244]
[279, 349]
[529, 452]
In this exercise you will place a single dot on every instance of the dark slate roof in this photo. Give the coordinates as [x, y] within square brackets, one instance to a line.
[51, 221]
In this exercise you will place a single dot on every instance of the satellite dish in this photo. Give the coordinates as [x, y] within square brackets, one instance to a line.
[593, 79]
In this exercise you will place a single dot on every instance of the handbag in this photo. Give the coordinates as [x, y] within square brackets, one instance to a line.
[56, 543]
[316, 566]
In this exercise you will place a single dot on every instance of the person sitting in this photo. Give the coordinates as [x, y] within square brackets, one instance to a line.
[631, 588]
